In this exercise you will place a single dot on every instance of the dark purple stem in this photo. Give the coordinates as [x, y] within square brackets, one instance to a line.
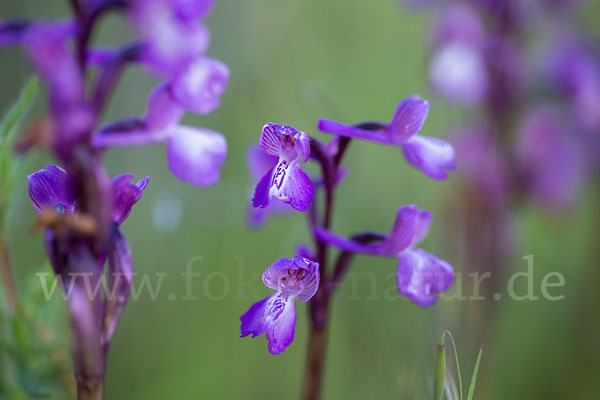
[319, 305]
[75, 7]
[88, 19]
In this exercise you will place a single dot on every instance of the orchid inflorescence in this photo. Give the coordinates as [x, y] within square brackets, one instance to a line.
[79, 207]
[307, 276]
[528, 78]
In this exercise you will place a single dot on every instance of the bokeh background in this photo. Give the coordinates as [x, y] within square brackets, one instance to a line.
[294, 62]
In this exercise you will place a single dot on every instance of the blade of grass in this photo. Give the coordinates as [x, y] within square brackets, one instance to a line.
[8, 129]
[18, 110]
[474, 377]
[460, 386]
[439, 371]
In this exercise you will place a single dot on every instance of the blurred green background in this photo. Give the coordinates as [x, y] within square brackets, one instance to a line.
[294, 62]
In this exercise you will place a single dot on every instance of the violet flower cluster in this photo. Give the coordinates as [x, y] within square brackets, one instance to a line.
[539, 98]
[529, 81]
[285, 186]
[79, 207]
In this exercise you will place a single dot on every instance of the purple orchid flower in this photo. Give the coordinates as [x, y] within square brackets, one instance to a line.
[200, 85]
[458, 69]
[575, 70]
[551, 161]
[52, 188]
[291, 278]
[259, 163]
[420, 275]
[172, 35]
[94, 320]
[285, 181]
[431, 155]
[193, 154]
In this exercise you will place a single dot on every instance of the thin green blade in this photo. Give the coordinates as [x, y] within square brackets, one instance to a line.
[18, 110]
[474, 378]
[439, 372]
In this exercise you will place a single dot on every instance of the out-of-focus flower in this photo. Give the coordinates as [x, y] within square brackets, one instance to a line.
[172, 35]
[550, 159]
[458, 68]
[193, 154]
[291, 278]
[574, 70]
[420, 275]
[199, 86]
[285, 181]
[52, 190]
[47, 47]
[259, 163]
[431, 155]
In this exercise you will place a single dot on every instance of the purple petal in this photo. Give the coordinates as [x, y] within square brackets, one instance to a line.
[259, 216]
[403, 232]
[431, 155]
[170, 42]
[459, 22]
[423, 223]
[421, 275]
[459, 73]
[253, 320]
[408, 119]
[47, 48]
[285, 142]
[259, 162]
[51, 187]
[303, 146]
[281, 323]
[106, 138]
[305, 251]
[100, 56]
[551, 161]
[292, 186]
[297, 277]
[275, 315]
[195, 154]
[125, 195]
[337, 128]
[193, 9]
[261, 197]
[269, 140]
[162, 110]
[345, 244]
[200, 86]
[120, 279]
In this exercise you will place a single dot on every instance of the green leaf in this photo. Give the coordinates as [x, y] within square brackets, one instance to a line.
[439, 372]
[18, 110]
[8, 128]
[474, 377]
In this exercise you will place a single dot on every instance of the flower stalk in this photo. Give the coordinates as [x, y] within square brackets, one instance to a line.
[421, 275]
